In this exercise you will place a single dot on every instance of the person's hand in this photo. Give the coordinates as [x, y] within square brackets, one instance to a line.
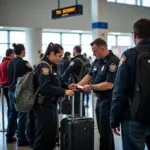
[73, 86]
[69, 93]
[86, 88]
[116, 131]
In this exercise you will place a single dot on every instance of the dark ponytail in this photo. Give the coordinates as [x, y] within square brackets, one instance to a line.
[52, 48]
[18, 48]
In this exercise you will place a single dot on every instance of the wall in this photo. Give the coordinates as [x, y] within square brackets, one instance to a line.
[37, 13]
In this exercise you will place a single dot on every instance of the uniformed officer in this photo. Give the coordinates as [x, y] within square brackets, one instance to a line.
[101, 77]
[72, 75]
[133, 133]
[45, 109]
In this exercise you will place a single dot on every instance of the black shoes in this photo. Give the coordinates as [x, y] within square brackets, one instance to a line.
[23, 143]
[11, 140]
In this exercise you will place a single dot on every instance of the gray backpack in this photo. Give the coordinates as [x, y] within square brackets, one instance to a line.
[25, 93]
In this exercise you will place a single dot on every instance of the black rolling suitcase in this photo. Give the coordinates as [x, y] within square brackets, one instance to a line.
[77, 133]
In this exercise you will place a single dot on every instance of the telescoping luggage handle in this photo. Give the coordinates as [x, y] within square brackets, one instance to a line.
[81, 104]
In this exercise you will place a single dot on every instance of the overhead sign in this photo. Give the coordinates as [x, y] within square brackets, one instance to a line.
[67, 12]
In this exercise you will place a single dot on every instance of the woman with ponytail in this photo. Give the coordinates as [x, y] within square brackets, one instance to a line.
[45, 109]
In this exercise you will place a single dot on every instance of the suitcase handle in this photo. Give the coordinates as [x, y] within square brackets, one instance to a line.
[81, 104]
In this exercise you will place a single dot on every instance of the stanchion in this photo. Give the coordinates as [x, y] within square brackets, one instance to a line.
[2, 108]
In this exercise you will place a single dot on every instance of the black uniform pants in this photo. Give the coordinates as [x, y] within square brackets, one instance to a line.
[46, 127]
[103, 122]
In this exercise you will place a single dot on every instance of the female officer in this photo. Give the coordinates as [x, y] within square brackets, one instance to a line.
[45, 108]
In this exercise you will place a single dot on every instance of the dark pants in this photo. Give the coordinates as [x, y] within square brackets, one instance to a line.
[125, 134]
[138, 135]
[103, 122]
[148, 142]
[46, 127]
[13, 119]
[7, 100]
[77, 104]
[30, 127]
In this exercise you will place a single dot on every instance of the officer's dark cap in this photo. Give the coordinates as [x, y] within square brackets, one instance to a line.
[99, 42]
[142, 28]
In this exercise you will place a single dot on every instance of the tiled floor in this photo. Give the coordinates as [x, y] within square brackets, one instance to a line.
[4, 146]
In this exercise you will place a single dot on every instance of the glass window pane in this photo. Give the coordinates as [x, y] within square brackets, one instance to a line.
[139, 2]
[146, 3]
[68, 48]
[50, 37]
[111, 40]
[87, 49]
[70, 39]
[3, 37]
[86, 39]
[17, 37]
[133, 2]
[44, 47]
[120, 1]
[3, 48]
[124, 41]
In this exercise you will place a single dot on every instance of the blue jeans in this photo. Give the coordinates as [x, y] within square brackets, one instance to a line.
[125, 134]
[138, 134]
[13, 119]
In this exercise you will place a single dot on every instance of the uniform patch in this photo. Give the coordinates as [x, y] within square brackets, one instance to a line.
[112, 67]
[45, 71]
[123, 59]
[72, 63]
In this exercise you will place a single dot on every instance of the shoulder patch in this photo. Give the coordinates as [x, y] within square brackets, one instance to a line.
[112, 67]
[122, 60]
[72, 63]
[45, 71]
[28, 65]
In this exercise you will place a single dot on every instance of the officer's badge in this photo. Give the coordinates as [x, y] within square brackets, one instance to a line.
[45, 71]
[112, 67]
[123, 59]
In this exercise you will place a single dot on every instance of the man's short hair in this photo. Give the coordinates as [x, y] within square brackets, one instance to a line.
[9, 52]
[142, 28]
[78, 49]
[99, 42]
[67, 54]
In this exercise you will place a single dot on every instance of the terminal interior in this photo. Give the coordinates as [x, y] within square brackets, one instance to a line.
[30, 23]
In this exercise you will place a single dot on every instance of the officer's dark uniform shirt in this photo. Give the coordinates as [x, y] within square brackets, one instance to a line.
[124, 86]
[104, 70]
[74, 68]
[49, 81]
[17, 68]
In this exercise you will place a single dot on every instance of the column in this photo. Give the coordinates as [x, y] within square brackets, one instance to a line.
[33, 45]
[99, 19]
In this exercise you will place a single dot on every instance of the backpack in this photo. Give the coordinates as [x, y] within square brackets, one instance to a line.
[140, 105]
[84, 69]
[25, 94]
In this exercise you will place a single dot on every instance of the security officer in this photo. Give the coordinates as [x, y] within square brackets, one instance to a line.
[101, 77]
[73, 74]
[133, 133]
[45, 109]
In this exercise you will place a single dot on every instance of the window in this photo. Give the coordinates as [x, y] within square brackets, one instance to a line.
[111, 41]
[124, 41]
[146, 3]
[3, 37]
[71, 39]
[132, 2]
[111, 0]
[3, 48]
[17, 37]
[86, 39]
[50, 37]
